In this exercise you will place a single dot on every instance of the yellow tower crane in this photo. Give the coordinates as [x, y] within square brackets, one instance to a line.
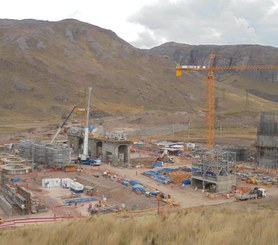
[210, 87]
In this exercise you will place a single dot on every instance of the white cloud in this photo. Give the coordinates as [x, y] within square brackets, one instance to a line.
[210, 22]
[147, 23]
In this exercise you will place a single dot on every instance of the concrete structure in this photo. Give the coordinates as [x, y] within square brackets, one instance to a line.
[112, 151]
[16, 169]
[6, 206]
[267, 140]
[215, 175]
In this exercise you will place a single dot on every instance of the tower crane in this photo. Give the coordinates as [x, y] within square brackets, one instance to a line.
[211, 69]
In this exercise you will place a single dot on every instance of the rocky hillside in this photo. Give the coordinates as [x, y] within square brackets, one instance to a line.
[45, 67]
[230, 55]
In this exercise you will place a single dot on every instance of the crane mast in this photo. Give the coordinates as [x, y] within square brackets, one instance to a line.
[85, 154]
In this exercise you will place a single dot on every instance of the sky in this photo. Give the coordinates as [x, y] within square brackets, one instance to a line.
[149, 23]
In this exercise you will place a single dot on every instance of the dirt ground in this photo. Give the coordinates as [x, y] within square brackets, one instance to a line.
[108, 191]
[114, 193]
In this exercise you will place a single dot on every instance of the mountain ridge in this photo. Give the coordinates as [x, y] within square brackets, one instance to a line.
[46, 65]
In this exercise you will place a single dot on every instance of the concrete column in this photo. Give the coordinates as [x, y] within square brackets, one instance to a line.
[73, 142]
[127, 154]
[115, 154]
[92, 148]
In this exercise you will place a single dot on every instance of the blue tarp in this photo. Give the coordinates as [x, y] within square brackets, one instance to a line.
[157, 164]
[166, 170]
[88, 199]
[163, 179]
[151, 172]
[15, 179]
[186, 182]
[135, 182]
[139, 188]
[154, 193]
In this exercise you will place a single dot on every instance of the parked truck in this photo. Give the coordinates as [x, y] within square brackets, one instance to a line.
[253, 194]
[92, 162]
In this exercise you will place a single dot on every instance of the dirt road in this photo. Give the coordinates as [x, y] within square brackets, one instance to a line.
[187, 196]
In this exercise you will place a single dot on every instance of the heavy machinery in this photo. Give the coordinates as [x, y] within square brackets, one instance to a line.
[85, 154]
[253, 194]
[211, 69]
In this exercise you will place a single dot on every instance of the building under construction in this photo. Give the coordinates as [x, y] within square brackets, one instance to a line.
[214, 173]
[267, 140]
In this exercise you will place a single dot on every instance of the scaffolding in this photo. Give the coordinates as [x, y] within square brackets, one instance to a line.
[267, 140]
[215, 171]
[48, 154]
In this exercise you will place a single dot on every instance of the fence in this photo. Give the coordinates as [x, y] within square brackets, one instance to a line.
[25, 221]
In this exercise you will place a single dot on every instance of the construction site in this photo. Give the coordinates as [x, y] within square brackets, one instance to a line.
[93, 170]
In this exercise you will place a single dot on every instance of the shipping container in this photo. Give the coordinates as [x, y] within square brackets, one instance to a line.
[51, 182]
[66, 182]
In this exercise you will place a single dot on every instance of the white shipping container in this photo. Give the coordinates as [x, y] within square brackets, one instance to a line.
[66, 182]
[51, 182]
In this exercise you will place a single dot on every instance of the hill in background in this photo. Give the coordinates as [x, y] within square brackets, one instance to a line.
[45, 67]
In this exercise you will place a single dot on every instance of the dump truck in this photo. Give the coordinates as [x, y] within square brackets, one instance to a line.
[253, 194]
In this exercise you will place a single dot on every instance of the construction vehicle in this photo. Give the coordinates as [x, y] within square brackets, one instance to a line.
[91, 162]
[253, 194]
[211, 69]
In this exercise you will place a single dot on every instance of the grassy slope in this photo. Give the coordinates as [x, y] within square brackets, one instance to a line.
[240, 224]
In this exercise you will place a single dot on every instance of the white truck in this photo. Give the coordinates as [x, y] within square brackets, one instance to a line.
[253, 194]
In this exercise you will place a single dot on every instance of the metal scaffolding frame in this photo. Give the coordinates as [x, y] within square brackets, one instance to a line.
[267, 140]
[214, 167]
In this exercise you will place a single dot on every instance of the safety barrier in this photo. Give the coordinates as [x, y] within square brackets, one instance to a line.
[25, 221]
